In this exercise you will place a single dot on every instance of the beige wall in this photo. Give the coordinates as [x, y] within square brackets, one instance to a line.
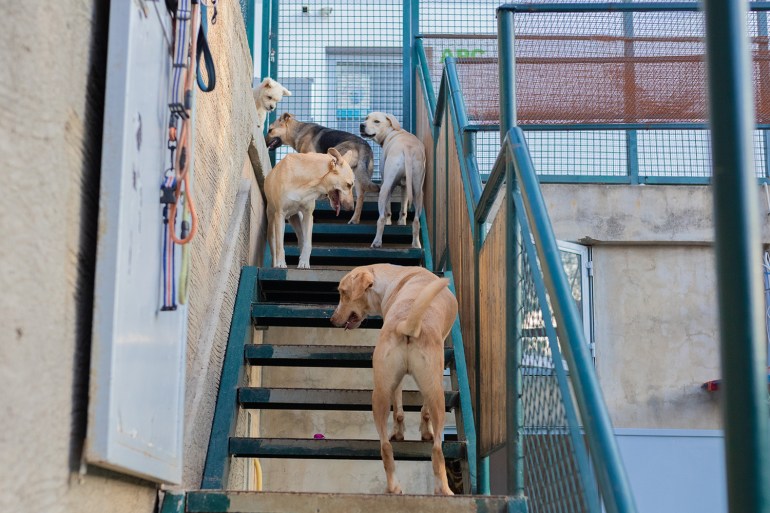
[52, 92]
[655, 307]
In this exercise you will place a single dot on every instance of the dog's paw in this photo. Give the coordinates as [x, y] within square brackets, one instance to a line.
[388, 221]
[443, 490]
[280, 265]
[303, 265]
[377, 244]
[416, 244]
[354, 220]
[398, 437]
[426, 437]
[397, 490]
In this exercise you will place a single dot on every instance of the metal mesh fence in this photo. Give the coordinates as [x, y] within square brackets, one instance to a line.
[592, 73]
[552, 474]
[341, 60]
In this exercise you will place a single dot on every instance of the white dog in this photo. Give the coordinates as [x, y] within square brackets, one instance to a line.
[267, 95]
[402, 162]
[292, 188]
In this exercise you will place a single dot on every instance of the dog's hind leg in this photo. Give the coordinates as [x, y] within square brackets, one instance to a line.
[296, 222]
[383, 206]
[417, 199]
[380, 409]
[359, 203]
[398, 414]
[429, 382]
[426, 428]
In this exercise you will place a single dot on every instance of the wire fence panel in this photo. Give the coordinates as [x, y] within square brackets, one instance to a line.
[553, 481]
[341, 60]
[592, 73]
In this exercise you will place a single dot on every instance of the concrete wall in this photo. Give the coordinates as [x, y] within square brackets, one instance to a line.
[654, 295]
[52, 92]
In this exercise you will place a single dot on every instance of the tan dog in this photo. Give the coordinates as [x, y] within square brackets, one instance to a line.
[418, 311]
[311, 137]
[266, 96]
[292, 188]
[402, 162]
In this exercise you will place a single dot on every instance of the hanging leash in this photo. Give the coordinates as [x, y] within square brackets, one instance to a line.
[204, 50]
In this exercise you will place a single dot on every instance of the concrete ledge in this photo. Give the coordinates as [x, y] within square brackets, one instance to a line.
[638, 214]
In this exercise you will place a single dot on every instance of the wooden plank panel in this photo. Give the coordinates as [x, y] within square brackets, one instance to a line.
[462, 255]
[492, 326]
[424, 132]
[440, 237]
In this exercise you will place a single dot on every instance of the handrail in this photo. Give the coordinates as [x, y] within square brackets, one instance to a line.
[615, 7]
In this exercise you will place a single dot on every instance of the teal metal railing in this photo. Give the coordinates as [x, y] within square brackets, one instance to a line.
[561, 450]
[738, 247]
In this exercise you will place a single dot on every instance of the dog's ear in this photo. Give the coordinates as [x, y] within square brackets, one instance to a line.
[266, 82]
[286, 92]
[336, 157]
[393, 121]
[362, 282]
[348, 156]
[286, 117]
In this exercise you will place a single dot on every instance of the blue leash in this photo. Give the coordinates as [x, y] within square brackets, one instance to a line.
[205, 50]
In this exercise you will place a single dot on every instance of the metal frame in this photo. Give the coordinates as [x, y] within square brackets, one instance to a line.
[738, 247]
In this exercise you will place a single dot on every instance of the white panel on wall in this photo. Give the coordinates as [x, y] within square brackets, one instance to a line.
[136, 402]
[675, 471]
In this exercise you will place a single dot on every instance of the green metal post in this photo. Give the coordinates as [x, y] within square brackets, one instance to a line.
[411, 20]
[513, 414]
[266, 39]
[249, 13]
[736, 212]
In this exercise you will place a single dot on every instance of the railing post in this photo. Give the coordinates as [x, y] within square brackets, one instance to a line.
[738, 249]
[411, 20]
[513, 409]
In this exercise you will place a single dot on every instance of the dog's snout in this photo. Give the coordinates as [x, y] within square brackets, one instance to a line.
[362, 126]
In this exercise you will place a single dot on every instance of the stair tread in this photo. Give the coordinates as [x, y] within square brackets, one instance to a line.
[298, 314]
[344, 228]
[307, 502]
[316, 356]
[327, 399]
[343, 449]
[362, 250]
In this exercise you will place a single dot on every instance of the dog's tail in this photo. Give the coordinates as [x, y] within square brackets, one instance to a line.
[412, 326]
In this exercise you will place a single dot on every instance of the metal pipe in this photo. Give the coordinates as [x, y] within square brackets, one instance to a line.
[615, 7]
[514, 447]
[738, 263]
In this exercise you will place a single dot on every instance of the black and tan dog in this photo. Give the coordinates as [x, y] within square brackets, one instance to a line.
[314, 138]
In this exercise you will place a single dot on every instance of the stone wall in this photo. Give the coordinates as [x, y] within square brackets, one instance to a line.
[52, 94]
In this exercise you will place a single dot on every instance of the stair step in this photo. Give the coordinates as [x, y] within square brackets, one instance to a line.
[307, 286]
[298, 314]
[364, 255]
[324, 211]
[303, 448]
[303, 502]
[358, 357]
[352, 233]
[326, 399]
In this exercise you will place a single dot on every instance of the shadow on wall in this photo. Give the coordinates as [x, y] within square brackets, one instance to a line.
[91, 147]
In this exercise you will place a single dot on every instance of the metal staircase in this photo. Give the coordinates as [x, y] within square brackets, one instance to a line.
[306, 298]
